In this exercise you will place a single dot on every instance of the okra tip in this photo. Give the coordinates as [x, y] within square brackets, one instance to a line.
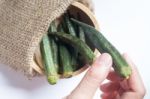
[68, 74]
[126, 72]
[52, 79]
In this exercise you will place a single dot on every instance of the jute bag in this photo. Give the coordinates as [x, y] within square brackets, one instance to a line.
[22, 25]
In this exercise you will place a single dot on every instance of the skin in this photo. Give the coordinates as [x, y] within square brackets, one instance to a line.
[116, 88]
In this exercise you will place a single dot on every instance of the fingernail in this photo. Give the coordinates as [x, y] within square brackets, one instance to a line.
[104, 59]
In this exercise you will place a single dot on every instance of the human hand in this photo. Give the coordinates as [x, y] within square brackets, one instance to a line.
[96, 74]
[115, 89]
[119, 88]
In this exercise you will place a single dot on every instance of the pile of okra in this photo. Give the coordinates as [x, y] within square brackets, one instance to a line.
[64, 49]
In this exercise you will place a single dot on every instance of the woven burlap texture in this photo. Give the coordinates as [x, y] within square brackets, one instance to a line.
[22, 25]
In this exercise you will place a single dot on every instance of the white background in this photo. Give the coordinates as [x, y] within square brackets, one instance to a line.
[126, 23]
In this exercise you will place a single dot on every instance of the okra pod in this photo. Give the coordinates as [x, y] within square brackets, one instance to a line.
[102, 44]
[46, 52]
[80, 30]
[71, 30]
[54, 45]
[77, 44]
[65, 58]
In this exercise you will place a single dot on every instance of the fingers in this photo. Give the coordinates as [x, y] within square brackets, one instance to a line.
[135, 81]
[110, 87]
[128, 88]
[91, 81]
[113, 76]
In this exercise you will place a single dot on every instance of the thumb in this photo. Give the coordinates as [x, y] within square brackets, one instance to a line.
[93, 78]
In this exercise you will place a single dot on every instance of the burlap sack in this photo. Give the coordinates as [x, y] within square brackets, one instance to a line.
[22, 25]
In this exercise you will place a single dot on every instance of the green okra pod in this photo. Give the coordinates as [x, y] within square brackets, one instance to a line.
[103, 45]
[65, 58]
[71, 30]
[46, 52]
[78, 44]
[80, 30]
[54, 44]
